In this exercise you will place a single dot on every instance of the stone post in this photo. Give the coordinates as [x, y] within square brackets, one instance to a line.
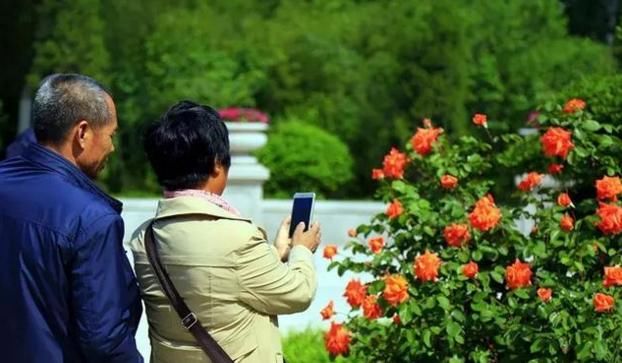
[246, 175]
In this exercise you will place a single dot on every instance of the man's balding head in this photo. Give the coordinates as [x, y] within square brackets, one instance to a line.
[62, 100]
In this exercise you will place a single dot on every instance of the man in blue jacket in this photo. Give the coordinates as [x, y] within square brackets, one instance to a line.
[67, 291]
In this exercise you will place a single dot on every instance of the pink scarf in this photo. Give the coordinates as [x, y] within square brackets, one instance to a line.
[210, 197]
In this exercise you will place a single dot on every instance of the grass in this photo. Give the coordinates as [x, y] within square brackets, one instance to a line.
[307, 346]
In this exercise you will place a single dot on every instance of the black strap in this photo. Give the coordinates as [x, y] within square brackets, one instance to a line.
[188, 319]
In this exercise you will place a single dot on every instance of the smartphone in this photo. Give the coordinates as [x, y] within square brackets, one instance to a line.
[302, 211]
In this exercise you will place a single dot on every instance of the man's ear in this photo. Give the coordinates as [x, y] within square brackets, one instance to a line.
[81, 133]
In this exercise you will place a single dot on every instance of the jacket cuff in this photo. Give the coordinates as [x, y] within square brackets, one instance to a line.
[300, 253]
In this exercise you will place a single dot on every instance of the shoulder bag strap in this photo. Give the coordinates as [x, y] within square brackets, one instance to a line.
[188, 319]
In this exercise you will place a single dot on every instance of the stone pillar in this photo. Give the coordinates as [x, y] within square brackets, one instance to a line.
[246, 175]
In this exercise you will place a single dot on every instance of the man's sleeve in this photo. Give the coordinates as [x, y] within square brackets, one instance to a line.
[104, 294]
[272, 287]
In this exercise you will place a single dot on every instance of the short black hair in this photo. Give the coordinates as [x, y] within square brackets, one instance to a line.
[184, 145]
[64, 99]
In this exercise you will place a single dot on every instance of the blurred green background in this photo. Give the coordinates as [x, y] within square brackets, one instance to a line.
[363, 72]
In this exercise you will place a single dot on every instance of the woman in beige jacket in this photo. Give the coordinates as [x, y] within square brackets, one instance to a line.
[220, 262]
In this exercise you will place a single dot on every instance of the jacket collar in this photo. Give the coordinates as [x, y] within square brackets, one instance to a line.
[185, 205]
[49, 160]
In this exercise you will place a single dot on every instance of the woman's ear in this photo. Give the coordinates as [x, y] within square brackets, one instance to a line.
[218, 169]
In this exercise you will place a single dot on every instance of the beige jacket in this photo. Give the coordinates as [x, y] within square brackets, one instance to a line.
[228, 275]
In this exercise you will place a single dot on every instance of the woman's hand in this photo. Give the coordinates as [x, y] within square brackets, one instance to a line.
[310, 239]
[282, 242]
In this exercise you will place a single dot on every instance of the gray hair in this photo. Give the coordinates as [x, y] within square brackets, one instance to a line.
[64, 99]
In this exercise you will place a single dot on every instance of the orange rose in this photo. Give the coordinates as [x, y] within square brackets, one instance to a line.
[613, 276]
[566, 223]
[557, 141]
[355, 293]
[337, 339]
[610, 218]
[395, 289]
[449, 181]
[555, 168]
[608, 188]
[456, 234]
[470, 270]
[377, 174]
[485, 215]
[394, 164]
[573, 105]
[371, 309]
[544, 294]
[518, 275]
[330, 251]
[603, 303]
[480, 119]
[563, 200]
[376, 244]
[426, 266]
[328, 311]
[423, 140]
[530, 181]
[352, 232]
[394, 209]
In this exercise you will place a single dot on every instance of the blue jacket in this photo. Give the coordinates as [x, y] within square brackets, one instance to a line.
[21, 143]
[67, 291]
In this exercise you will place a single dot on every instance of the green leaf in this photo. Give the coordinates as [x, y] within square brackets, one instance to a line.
[426, 338]
[605, 141]
[590, 125]
[453, 329]
[405, 312]
[580, 152]
[539, 249]
[443, 302]
[415, 308]
[398, 185]
[585, 351]
[600, 349]
[496, 276]
[430, 303]
[503, 250]
[477, 255]
[459, 339]
[522, 293]
[536, 346]
[458, 315]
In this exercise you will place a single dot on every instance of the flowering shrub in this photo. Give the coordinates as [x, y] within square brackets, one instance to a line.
[448, 275]
[243, 114]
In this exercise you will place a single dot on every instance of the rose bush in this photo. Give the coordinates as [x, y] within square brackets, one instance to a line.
[446, 274]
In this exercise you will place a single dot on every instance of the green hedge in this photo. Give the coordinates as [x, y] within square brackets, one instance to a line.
[303, 157]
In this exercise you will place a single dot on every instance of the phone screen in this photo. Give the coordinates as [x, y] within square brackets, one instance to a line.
[301, 212]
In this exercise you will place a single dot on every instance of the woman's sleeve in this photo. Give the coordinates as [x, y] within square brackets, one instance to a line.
[271, 286]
